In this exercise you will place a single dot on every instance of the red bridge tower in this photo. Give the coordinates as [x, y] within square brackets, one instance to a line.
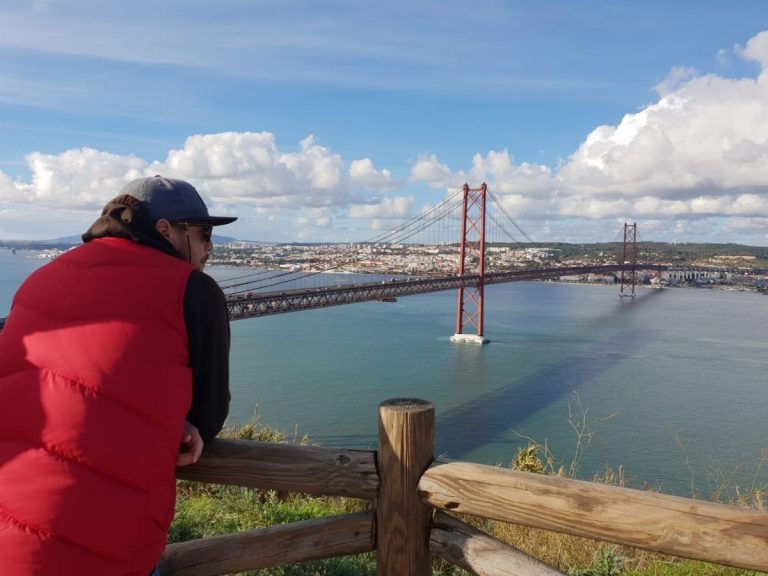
[472, 261]
[629, 256]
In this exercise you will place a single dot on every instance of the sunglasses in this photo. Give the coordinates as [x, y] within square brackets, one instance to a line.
[206, 230]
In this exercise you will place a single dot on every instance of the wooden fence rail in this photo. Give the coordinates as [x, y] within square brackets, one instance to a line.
[658, 522]
[410, 490]
[287, 468]
[273, 546]
[481, 554]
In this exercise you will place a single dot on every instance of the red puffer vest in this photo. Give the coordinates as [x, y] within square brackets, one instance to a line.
[94, 390]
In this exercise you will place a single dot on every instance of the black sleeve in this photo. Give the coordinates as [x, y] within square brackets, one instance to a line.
[205, 314]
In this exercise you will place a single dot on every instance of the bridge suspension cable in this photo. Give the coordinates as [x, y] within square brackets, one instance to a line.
[514, 222]
[439, 212]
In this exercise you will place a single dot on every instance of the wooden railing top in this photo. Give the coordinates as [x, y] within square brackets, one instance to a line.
[659, 522]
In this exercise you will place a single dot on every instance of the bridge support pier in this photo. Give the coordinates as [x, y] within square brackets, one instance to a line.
[469, 338]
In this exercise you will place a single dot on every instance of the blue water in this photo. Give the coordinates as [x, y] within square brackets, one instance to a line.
[673, 382]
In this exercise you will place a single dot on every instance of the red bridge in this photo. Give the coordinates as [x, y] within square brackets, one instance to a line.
[470, 281]
[264, 304]
[467, 207]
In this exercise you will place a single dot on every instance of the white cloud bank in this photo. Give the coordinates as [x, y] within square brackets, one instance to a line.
[398, 207]
[237, 172]
[230, 167]
[699, 152]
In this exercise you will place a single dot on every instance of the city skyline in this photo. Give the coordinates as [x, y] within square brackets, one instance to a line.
[333, 121]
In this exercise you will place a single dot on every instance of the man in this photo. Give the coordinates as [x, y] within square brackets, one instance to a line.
[113, 370]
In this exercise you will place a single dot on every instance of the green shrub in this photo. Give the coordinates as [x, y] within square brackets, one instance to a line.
[607, 562]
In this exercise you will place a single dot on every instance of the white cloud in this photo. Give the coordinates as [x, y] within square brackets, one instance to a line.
[362, 173]
[747, 225]
[756, 49]
[315, 217]
[230, 168]
[244, 174]
[12, 190]
[704, 143]
[520, 204]
[84, 178]
[699, 153]
[499, 169]
[397, 207]
[315, 164]
[678, 76]
[248, 167]
[577, 206]
[749, 205]
[656, 207]
[428, 169]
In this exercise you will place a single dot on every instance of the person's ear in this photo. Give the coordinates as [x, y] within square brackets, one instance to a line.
[164, 227]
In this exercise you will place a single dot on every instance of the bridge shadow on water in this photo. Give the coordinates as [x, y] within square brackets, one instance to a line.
[489, 418]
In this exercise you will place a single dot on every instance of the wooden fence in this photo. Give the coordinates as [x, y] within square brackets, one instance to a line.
[412, 491]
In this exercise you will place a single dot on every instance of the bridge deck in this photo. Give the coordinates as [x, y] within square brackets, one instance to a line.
[268, 303]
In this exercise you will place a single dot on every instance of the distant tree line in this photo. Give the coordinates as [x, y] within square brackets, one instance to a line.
[685, 254]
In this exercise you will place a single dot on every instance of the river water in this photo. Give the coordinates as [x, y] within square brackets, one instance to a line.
[673, 384]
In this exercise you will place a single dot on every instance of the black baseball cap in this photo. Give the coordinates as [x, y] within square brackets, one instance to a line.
[174, 200]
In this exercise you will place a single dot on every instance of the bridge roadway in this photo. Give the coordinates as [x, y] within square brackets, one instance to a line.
[267, 303]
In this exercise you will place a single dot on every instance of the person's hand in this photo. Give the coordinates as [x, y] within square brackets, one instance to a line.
[191, 445]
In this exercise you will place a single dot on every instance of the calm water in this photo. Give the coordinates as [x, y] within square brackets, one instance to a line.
[675, 381]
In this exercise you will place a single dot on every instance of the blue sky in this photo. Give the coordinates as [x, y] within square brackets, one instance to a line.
[334, 120]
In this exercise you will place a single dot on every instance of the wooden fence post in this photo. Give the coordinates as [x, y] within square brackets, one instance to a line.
[406, 449]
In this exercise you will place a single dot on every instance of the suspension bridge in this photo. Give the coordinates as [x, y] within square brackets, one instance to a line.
[465, 214]
[258, 294]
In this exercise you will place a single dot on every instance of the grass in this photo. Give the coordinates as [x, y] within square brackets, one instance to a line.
[205, 510]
